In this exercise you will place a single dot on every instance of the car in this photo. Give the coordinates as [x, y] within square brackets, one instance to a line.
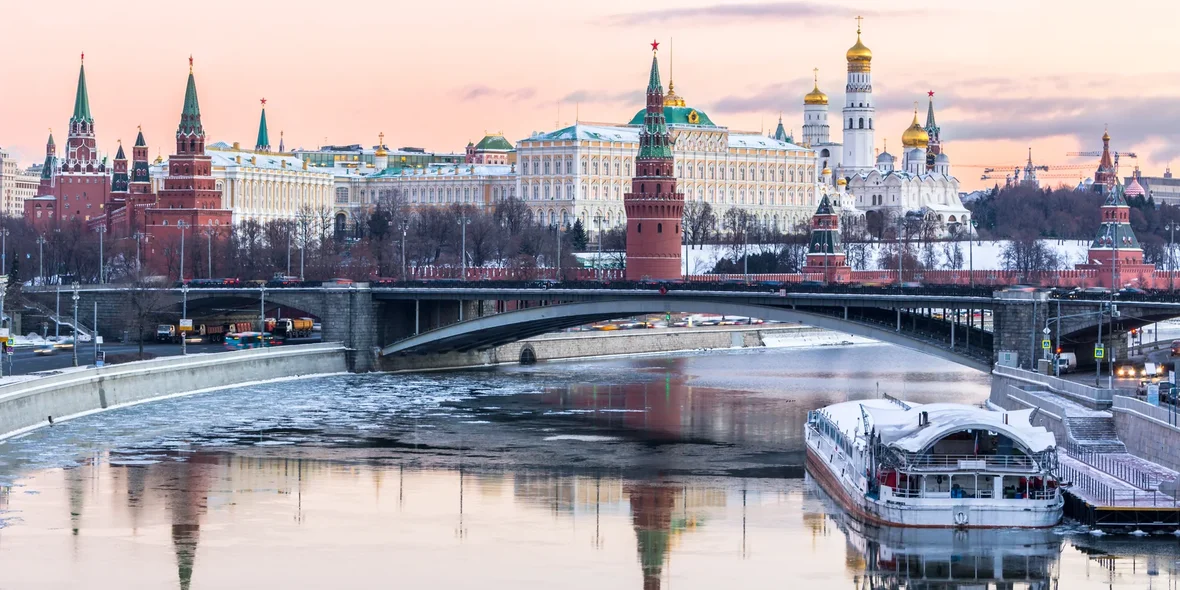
[679, 324]
[45, 350]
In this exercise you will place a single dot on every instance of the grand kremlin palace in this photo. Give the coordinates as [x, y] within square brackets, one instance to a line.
[582, 171]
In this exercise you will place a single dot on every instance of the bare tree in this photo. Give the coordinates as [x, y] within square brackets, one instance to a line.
[699, 221]
[142, 304]
[1030, 257]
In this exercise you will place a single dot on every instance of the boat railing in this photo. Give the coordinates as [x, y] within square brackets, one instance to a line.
[929, 462]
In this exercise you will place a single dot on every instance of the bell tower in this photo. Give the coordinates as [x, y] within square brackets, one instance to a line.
[654, 208]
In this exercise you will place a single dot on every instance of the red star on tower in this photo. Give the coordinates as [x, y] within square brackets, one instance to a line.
[931, 93]
[655, 45]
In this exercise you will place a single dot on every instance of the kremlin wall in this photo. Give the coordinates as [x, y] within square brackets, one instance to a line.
[637, 175]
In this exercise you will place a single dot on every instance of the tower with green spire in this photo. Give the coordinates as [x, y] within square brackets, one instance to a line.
[120, 179]
[190, 134]
[81, 150]
[654, 207]
[263, 143]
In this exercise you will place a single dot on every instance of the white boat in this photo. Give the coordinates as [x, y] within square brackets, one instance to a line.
[935, 465]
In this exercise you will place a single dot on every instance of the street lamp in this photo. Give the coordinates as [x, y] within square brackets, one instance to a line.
[41, 259]
[405, 229]
[971, 251]
[4, 251]
[290, 230]
[138, 237]
[209, 242]
[75, 347]
[102, 230]
[463, 223]
[302, 242]
[557, 273]
[900, 251]
[598, 259]
[181, 225]
[183, 317]
[1171, 227]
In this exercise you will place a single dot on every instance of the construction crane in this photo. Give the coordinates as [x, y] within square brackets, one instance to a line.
[1098, 154]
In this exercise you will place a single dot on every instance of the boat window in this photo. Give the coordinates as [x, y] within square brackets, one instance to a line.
[937, 485]
[970, 486]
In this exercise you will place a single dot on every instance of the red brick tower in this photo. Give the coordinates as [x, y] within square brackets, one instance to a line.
[139, 189]
[81, 150]
[825, 254]
[189, 198]
[1115, 254]
[120, 179]
[654, 208]
[47, 177]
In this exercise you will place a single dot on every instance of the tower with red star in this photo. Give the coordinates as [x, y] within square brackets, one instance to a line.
[654, 208]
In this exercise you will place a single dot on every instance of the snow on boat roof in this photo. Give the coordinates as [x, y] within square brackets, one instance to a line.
[899, 428]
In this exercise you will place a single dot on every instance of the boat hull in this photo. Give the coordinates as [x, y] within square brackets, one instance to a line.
[930, 514]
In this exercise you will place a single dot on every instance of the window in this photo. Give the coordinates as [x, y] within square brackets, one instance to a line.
[546, 167]
[850, 122]
[583, 166]
[862, 123]
[341, 195]
[639, 228]
[618, 168]
[569, 166]
[659, 228]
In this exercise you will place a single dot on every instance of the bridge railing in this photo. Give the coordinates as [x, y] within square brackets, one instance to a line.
[1094, 394]
[1168, 415]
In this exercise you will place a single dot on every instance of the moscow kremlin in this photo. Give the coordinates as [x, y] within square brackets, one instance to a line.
[636, 176]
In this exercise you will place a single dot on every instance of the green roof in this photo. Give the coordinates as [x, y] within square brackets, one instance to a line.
[82, 100]
[263, 142]
[190, 117]
[654, 141]
[677, 116]
[494, 142]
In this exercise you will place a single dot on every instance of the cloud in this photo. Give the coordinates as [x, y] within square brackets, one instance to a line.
[743, 13]
[481, 92]
[600, 97]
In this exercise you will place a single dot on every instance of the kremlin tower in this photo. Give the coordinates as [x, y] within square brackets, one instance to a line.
[825, 254]
[1115, 254]
[914, 141]
[189, 197]
[1105, 177]
[858, 109]
[654, 208]
[815, 117]
[262, 144]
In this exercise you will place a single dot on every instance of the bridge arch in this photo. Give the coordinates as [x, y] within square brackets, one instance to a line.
[494, 330]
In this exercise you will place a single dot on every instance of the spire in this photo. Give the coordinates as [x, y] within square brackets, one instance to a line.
[139, 141]
[120, 155]
[51, 139]
[780, 133]
[263, 142]
[190, 116]
[282, 148]
[931, 127]
[653, 139]
[82, 98]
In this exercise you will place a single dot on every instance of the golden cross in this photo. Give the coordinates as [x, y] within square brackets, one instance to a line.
[816, 70]
[858, 19]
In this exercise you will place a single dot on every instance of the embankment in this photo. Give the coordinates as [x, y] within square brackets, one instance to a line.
[30, 404]
[571, 345]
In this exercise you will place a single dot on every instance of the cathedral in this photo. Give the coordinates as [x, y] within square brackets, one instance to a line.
[875, 184]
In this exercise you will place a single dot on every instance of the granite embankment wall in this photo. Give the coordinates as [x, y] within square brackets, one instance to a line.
[29, 404]
[569, 345]
[1148, 431]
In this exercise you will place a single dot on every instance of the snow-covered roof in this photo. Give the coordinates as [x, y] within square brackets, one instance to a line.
[630, 134]
[898, 427]
[436, 170]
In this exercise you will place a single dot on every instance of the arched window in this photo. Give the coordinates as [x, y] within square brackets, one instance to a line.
[659, 228]
[862, 123]
[639, 228]
[850, 122]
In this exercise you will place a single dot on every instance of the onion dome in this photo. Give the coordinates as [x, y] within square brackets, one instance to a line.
[380, 152]
[915, 136]
[859, 57]
[826, 172]
[842, 182]
[815, 97]
[942, 159]
[671, 99]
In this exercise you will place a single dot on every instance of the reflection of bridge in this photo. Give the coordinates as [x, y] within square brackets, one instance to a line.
[969, 327]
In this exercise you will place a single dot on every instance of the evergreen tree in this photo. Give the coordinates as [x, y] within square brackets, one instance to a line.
[578, 236]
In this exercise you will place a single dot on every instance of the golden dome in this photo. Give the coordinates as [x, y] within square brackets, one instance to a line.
[815, 97]
[842, 182]
[915, 136]
[826, 172]
[859, 52]
[672, 99]
[381, 146]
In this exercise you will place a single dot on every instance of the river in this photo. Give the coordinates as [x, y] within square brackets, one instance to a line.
[676, 471]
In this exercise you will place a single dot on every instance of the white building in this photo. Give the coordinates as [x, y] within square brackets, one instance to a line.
[858, 110]
[817, 131]
[582, 171]
[264, 186]
[16, 185]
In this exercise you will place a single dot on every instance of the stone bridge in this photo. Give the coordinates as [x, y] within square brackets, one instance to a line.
[380, 325]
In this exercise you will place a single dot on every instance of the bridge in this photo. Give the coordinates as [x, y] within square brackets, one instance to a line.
[382, 324]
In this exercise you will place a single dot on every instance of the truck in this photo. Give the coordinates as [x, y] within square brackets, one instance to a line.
[167, 333]
[1066, 362]
[290, 327]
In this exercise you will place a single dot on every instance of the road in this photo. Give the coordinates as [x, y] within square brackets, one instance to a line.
[26, 361]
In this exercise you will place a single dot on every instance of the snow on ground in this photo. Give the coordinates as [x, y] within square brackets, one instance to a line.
[987, 255]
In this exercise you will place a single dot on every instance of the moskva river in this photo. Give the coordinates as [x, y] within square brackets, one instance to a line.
[651, 472]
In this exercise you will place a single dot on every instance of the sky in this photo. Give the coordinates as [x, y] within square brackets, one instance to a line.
[1007, 75]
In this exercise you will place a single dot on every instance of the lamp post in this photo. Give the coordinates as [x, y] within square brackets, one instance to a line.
[102, 230]
[41, 259]
[302, 241]
[183, 317]
[971, 252]
[4, 251]
[405, 230]
[463, 223]
[181, 225]
[557, 273]
[209, 244]
[138, 238]
[1172, 227]
[290, 230]
[75, 347]
[900, 251]
[598, 259]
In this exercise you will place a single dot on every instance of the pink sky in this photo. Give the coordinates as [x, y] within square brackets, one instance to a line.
[1007, 74]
